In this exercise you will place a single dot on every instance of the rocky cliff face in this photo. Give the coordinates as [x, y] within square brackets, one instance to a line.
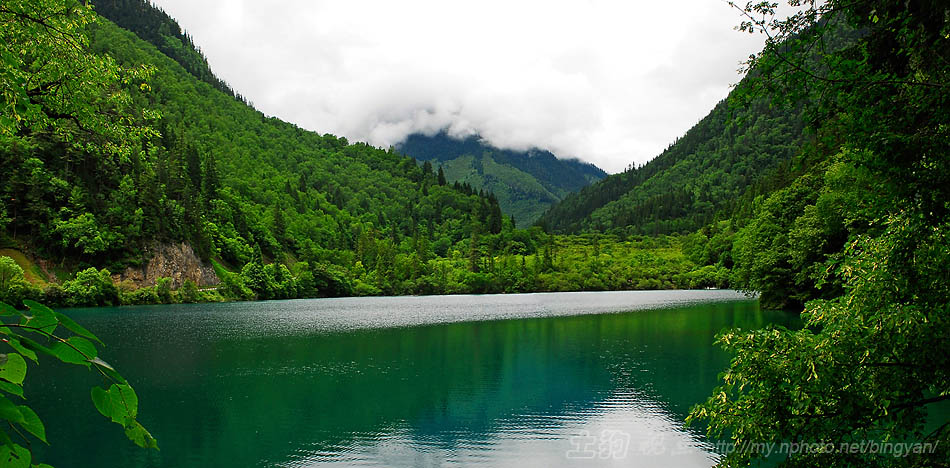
[175, 261]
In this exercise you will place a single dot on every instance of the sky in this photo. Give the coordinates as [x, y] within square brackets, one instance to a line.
[609, 82]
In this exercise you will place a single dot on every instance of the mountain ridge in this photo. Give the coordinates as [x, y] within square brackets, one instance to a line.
[684, 187]
[525, 182]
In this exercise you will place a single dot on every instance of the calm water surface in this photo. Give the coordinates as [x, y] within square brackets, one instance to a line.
[547, 380]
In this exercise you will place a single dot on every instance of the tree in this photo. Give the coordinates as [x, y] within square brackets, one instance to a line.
[280, 225]
[10, 274]
[163, 288]
[871, 362]
[44, 332]
[475, 253]
[91, 287]
[85, 233]
[442, 180]
[210, 183]
[53, 84]
[494, 215]
[193, 166]
[189, 292]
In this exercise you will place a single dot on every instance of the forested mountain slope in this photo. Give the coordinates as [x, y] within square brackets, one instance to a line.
[156, 27]
[208, 170]
[525, 182]
[683, 188]
[126, 159]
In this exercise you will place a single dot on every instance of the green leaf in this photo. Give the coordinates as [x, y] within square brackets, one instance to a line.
[39, 310]
[15, 344]
[31, 422]
[14, 456]
[9, 411]
[108, 370]
[40, 323]
[43, 317]
[104, 403]
[76, 328]
[11, 388]
[5, 439]
[138, 434]
[129, 399]
[34, 346]
[7, 309]
[76, 350]
[119, 403]
[12, 368]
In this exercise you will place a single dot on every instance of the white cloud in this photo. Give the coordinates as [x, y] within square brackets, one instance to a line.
[609, 82]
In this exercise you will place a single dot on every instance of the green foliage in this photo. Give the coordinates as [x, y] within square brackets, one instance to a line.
[861, 238]
[236, 186]
[703, 173]
[84, 233]
[91, 287]
[868, 365]
[51, 85]
[189, 292]
[44, 332]
[155, 26]
[163, 289]
[13, 285]
[10, 274]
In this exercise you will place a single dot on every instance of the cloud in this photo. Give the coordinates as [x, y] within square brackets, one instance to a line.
[609, 82]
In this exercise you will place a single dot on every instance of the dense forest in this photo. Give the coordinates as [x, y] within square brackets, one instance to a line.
[278, 212]
[859, 236]
[526, 182]
[155, 26]
[700, 175]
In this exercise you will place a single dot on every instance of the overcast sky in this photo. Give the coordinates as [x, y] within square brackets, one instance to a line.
[610, 82]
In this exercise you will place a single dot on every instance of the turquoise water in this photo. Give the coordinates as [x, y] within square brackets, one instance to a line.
[562, 379]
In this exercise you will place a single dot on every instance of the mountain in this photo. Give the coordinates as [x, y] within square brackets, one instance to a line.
[136, 176]
[185, 163]
[525, 182]
[698, 175]
[153, 25]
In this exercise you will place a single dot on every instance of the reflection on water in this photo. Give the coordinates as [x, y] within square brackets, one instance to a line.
[563, 380]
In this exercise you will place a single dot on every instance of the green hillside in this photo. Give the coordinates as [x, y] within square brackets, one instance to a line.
[189, 163]
[153, 25]
[701, 173]
[525, 182]
[140, 153]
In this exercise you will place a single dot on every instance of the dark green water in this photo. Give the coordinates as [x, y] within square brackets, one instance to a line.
[522, 380]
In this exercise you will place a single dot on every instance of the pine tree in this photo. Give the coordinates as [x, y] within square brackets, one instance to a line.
[442, 181]
[280, 225]
[193, 166]
[210, 181]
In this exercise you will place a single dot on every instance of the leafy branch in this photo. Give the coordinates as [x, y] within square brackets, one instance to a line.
[34, 334]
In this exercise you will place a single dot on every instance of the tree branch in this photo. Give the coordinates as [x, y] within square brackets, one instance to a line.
[771, 47]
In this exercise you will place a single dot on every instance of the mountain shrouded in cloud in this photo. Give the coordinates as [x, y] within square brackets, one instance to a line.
[526, 183]
[611, 83]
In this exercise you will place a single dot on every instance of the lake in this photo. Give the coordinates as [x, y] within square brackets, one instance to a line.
[546, 380]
